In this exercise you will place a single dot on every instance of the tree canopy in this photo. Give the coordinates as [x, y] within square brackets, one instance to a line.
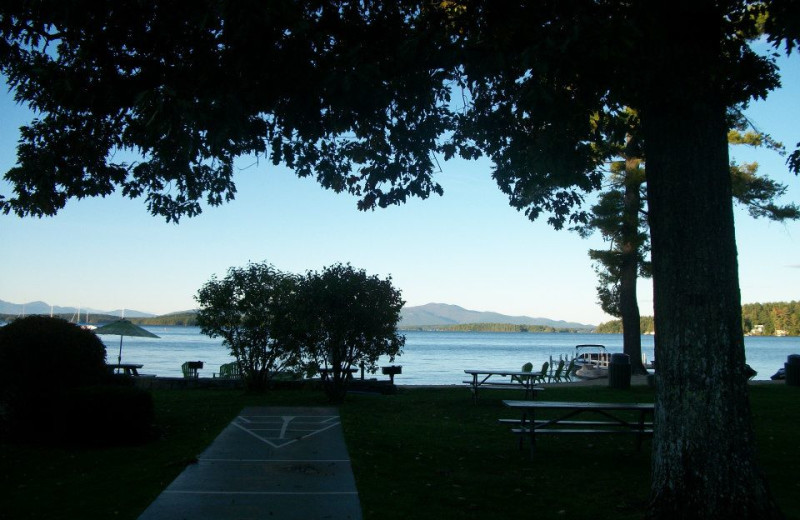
[340, 319]
[242, 308]
[345, 91]
[157, 101]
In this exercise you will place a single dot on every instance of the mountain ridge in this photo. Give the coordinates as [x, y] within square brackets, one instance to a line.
[430, 314]
[40, 307]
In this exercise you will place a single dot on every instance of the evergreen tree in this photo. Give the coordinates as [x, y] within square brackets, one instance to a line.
[621, 217]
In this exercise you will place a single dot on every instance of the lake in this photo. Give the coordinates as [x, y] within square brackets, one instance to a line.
[429, 358]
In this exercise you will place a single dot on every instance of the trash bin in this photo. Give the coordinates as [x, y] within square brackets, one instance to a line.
[619, 371]
[792, 369]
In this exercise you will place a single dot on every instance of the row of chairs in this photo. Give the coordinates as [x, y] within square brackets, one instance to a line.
[562, 373]
[226, 371]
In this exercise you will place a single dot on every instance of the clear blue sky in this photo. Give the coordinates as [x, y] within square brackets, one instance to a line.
[467, 248]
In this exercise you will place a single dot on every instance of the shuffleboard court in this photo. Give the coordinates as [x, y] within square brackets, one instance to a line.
[270, 462]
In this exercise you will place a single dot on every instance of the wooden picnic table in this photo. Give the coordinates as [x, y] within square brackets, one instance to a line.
[326, 372]
[518, 379]
[129, 369]
[564, 423]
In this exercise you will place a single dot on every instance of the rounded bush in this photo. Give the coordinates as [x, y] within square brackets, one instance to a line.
[105, 415]
[40, 357]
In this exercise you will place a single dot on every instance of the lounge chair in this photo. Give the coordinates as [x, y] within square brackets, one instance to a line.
[229, 371]
[190, 369]
[556, 377]
[541, 377]
[527, 367]
[569, 371]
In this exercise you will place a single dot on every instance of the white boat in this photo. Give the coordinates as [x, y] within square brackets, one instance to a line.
[591, 361]
[76, 319]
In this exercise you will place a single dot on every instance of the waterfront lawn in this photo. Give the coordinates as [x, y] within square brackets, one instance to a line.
[423, 453]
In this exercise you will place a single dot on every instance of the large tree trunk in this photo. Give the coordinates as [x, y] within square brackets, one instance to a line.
[629, 270]
[704, 463]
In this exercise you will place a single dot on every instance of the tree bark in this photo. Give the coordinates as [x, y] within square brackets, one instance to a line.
[629, 271]
[704, 463]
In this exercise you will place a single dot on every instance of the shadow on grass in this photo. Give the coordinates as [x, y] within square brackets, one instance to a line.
[422, 453]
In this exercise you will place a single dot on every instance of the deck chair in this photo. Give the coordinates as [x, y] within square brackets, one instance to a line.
[190, 368]
[527, 367]
[541, 377]
[229, 371]
[556, 377]
[569, 371]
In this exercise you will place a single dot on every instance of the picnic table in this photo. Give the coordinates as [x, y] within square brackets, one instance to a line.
[327, 372]
[614, 419]
[129, 369]
[517, 379]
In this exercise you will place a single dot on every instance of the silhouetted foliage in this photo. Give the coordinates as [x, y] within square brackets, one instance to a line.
[41, 357]
[357, 94]
[347, 92]
[105, 415]
[241, 309]
[340, 318]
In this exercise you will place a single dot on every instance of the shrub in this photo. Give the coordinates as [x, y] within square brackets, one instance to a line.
[40, 357]
[105, 415]
[342, 318]
[241, 309]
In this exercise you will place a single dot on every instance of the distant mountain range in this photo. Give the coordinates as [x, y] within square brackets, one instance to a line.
[39, 307]
[431, 314]
[444, 314]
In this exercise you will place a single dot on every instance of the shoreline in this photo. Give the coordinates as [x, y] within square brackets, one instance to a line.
[174, 383]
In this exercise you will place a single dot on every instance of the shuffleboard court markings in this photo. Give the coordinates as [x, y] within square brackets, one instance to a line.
[282, 430]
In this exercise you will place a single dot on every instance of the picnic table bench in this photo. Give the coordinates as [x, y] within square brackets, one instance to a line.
[325, 373]
[518, 379]
[565, 423]
[129, 369]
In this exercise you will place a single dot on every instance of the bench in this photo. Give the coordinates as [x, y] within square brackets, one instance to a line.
[499, 385]
[520, 380]
[587, 427]
[228, 371]
[612, 422]
[128, 369]
[518, 422]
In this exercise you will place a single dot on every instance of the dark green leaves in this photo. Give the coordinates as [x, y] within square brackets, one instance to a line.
[157, 100]
[316, 85]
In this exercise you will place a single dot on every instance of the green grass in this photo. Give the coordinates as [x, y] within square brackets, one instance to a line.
[423, 453]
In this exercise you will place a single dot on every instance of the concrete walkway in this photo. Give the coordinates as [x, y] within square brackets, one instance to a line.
[270, 462]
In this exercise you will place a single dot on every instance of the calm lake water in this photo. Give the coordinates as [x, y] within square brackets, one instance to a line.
[429, 358]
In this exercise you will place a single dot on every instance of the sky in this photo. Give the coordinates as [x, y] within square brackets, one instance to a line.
[467, 248]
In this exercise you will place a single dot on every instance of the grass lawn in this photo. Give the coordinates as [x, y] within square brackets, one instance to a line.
[423, 453]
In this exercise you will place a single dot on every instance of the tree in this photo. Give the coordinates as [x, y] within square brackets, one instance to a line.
[539, 75]
[342, 318]
[190, 87]
[621, 217]
[241, 309]
[695, 271]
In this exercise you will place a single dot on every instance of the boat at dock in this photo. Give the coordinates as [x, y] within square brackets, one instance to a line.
[591, 360]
